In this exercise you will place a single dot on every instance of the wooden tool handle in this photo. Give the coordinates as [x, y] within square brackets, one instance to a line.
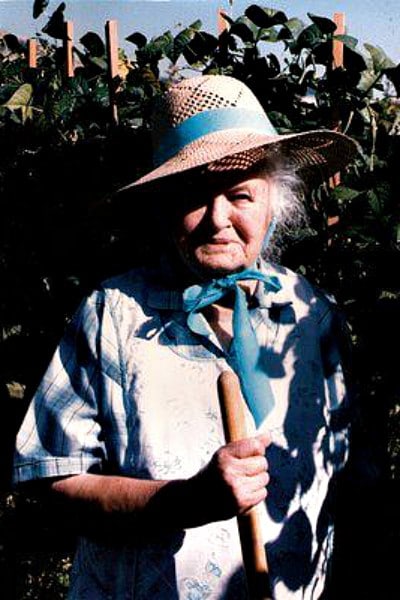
[254, 555]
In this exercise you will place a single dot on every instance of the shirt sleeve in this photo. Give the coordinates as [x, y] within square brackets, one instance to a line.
[62, 430]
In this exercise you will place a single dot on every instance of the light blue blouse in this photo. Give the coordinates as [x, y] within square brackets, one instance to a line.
[132, 391]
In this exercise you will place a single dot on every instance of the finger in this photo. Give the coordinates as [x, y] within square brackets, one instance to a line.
[257, 482]
[265, 438]
[252, 499]
[244, 488]
[248, 485]
[248, 447]
[253, 465]
[257, 497]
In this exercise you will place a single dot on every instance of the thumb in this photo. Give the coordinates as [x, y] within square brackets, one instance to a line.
[264, 438]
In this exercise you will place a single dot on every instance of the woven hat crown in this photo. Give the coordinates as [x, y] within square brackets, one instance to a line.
[192, 96]
[198, 94]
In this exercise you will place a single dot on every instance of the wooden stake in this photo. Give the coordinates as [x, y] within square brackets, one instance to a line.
[253, 550]
[339, 20]
[222, 25]
[112, 55]
[337, 62]
[68, 49]
[32, 53]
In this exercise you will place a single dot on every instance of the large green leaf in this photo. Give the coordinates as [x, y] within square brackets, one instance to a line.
[6, 91]
[183, 38]
[20, 98]
[367, 82]
[394, 76]
[265, 17]
[13, 43]
[38, 7]
[270, 35]
[101, 94]
[196, 25]
[345, 194]
[325, 25]
[384, 191]
[245, 29]
[227, 43]
[137, 38]
[380, 60]
[100, 62]
[55, 27]
[348, 40]
[322, 53]
[280, 121]
[160, 46]
[374, 202]
[201, 46]
[61, 106]
[353, 61]
[93, 44]
[290, 29]
[242, 31]
[309, 37]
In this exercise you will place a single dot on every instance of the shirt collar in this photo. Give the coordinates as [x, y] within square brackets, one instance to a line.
[165, 297]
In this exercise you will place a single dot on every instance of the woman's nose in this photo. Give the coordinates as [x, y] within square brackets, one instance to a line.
[219, 212]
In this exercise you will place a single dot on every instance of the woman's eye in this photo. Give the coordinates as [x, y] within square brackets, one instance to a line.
[240, 197]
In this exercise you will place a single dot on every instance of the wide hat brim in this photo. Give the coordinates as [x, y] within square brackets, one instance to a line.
[319, 151]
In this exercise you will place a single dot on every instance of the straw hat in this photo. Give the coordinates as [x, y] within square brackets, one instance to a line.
[216, 120]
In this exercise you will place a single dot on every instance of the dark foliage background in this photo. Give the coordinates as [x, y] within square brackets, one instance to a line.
[61, 159]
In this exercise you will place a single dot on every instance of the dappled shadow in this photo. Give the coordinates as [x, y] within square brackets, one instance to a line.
[361, 501]
[309, 445]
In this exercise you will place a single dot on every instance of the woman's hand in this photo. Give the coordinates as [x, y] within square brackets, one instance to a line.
[230, 484]
[233, 482]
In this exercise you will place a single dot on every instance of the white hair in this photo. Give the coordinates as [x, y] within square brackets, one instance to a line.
[287, 199]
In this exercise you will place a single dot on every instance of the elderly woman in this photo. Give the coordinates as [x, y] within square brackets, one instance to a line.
[126, 427]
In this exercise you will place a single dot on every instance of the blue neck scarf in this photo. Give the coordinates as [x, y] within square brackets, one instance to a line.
[244, 353]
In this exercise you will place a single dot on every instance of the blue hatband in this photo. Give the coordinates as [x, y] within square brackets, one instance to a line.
[210, 121]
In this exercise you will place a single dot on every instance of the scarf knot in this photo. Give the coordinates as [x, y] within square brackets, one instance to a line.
[244, 355]
[196, 297]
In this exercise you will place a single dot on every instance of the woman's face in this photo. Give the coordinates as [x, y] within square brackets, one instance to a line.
[219, 226]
